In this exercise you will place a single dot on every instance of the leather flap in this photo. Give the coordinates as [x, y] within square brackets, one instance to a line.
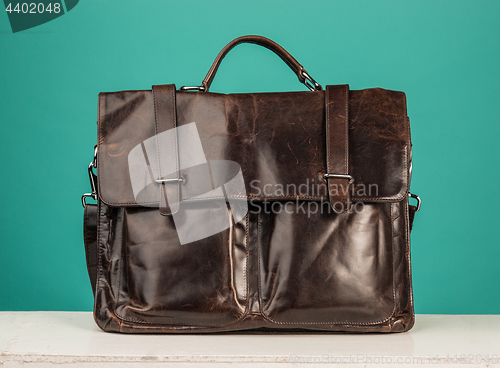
[275, 141]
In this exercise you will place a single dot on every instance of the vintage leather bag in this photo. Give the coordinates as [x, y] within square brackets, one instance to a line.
[273, 211]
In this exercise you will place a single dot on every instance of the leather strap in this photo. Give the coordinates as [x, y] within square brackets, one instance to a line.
[168, 156]
[411, 211]
[90, 241]
[258, 40]
[337, 146]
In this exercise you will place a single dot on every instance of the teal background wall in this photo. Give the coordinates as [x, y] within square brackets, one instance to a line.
[443, 54]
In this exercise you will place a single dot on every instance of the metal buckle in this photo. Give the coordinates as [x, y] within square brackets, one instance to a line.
[93, 180]
[88, 195]
[93, 185]
[309, 82]
[94, 161]
[169, 181]
[419, 201]
[192, 88]
[338, 176]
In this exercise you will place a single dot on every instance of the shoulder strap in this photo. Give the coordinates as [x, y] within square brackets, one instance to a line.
[337, 147]
[166, 142]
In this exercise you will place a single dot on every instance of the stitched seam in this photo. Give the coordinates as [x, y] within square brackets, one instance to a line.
[327, 94]
[328, 140]
[399, 196]
[99, 142]
[346, 147]
[259, 275]
[85, 237]
[405, 109]
[351, 323]
[134, 320]
[393, 265]
[346, 131]
[245, 273]
[118, 293]
[328, 161]
[407, 122]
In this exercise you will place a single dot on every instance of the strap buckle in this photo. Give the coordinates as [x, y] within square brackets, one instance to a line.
[309, 82]
[419, 201]
[338, 176]
[93, 180]
[193, 88]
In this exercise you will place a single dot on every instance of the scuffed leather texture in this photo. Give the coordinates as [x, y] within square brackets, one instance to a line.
[274, 270]
[278, 139]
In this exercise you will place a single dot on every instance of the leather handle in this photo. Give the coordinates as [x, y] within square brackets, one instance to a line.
[269, 44]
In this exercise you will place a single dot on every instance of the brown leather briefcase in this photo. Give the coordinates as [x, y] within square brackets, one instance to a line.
[273, 211]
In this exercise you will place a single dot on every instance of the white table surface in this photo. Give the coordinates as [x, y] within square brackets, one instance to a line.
[58, 339]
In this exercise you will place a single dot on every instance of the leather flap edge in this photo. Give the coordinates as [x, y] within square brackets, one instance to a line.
[278, 140]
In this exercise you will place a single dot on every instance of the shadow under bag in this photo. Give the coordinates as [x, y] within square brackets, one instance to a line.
[273, 211]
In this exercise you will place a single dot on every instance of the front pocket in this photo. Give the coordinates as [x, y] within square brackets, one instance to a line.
[325, 268]
[202, 283]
